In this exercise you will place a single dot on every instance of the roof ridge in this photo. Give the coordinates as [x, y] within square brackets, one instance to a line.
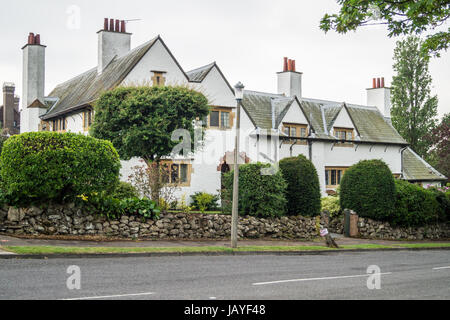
[206, 66]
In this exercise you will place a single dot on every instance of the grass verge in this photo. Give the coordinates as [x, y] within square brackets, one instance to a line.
[105, 250]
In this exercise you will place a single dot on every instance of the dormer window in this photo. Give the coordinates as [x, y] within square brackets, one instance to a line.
[295, 130]
[158, 78]
[344, 134]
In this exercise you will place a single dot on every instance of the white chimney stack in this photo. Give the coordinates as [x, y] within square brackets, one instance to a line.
[290, 81]
[33, 84]
[380, 96]
[113, 41]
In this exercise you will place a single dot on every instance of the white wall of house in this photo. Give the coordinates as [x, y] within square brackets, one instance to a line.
[75, 123]
[156, 59]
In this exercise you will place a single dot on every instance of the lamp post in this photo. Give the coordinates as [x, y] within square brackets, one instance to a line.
[239, 91]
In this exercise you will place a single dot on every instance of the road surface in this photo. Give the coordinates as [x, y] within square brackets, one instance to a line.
[404, 275]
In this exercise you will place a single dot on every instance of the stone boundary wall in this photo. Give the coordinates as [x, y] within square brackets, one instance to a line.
[371, 229]
[72, 221]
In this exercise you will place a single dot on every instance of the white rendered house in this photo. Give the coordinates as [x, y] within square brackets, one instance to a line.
[334, 135]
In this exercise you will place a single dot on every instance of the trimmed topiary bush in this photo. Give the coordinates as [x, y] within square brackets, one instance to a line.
[42, 167]
[260, 194]
[303, 190]
[368, 188]
[414, 206]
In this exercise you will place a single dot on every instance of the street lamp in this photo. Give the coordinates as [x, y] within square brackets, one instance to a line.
[239, 92]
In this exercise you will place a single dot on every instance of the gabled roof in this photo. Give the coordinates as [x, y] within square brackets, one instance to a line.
[417, 169]
[321, 115]
[199, 74]
[87, 87]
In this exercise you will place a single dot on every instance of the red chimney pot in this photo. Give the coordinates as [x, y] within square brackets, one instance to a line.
[293, 66]
[37, 39]
[382, 82]
[117, 29]
[374, 85]
[111, 24]
[31, 38]
[285, 66]
[378, 83]
[105, 25]
[123, 27]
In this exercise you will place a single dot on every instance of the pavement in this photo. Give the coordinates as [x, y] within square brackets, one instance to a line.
[12, 241]
[401, 275]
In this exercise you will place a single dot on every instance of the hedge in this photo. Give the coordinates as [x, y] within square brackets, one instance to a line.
[303, 190]
[368, 188]
[414, 205]
[261, 193]
[41, 167]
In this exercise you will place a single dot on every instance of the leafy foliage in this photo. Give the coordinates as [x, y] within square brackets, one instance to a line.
[40, 167]
[401, 17]
[414, 205]
[139, 121]
[125, 190]
[205, 202]
[114, 208]
[303, 187]
[260, 195]
[439, 138]
[368, 188]
[413, 108]
[332, 205]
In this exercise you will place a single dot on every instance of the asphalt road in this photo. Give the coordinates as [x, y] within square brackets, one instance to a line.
[404, 275]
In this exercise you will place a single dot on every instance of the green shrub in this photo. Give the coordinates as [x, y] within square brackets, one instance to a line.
[3, 139]
[125, 190]
[41, 167]
[442, 196]
[332, 205]
[414, 205]
[260, 194]
[303, 187]
[205, 202]
[368, 188]
[115, 208]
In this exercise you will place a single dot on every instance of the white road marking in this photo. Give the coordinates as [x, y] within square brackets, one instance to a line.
[317, 279]
[440, 268]
[113, 296]
[212, 298]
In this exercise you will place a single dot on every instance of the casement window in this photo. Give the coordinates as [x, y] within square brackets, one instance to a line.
[176, 173]
[220, 118]
[344, 134]
[59, 125]
[295, 130]
[87, 119]
[333, 176]
[158, 78]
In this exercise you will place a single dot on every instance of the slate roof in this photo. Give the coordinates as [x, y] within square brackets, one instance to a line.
[417, 169]
[199, 74]
[321, 114]
[87, 87]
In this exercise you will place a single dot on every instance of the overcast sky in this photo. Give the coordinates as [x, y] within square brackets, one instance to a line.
[247, 38]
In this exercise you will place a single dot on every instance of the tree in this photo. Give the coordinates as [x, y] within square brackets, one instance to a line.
[439, 138]
[402, 17]
[413, 108]
[140, 121]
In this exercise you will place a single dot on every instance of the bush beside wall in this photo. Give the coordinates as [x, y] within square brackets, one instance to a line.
[261, 191]
[303, 187]
[368, 188]
[41, 167]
